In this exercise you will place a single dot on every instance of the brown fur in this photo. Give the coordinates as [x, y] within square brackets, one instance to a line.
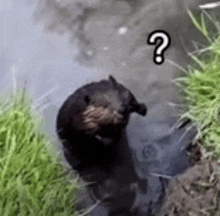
[94, 117]
[91, 121]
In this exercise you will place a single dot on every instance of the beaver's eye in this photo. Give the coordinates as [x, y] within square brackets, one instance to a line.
[87, 99]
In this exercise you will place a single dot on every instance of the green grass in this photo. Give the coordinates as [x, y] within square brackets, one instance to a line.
[201, 85]
[32, 180]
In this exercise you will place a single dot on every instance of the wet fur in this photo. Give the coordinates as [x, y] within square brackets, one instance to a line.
[91, 121]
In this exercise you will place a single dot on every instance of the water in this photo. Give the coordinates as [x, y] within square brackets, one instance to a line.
[111, 40]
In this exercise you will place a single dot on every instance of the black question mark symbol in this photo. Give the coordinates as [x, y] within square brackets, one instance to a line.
[164, 43]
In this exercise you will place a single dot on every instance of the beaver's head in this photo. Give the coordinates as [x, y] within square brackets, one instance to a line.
[104, 109]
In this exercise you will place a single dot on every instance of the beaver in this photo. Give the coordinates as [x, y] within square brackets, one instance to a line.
[91, 120]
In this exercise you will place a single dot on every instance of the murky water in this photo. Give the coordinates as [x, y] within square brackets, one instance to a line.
[88, 42]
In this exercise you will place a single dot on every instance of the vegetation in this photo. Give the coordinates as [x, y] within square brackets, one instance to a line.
[201, 85]
[32, 180]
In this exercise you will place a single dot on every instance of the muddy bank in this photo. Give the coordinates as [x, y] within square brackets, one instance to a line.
[196, 192]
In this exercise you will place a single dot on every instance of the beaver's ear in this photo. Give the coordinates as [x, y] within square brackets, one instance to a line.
[87, 99]
[113, 81]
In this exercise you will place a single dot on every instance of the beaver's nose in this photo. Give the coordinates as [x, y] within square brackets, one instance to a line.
[141, 109]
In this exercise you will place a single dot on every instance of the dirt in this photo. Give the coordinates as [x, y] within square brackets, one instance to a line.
[195, 192]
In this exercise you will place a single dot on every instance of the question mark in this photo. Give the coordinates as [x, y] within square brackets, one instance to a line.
[164, 43]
